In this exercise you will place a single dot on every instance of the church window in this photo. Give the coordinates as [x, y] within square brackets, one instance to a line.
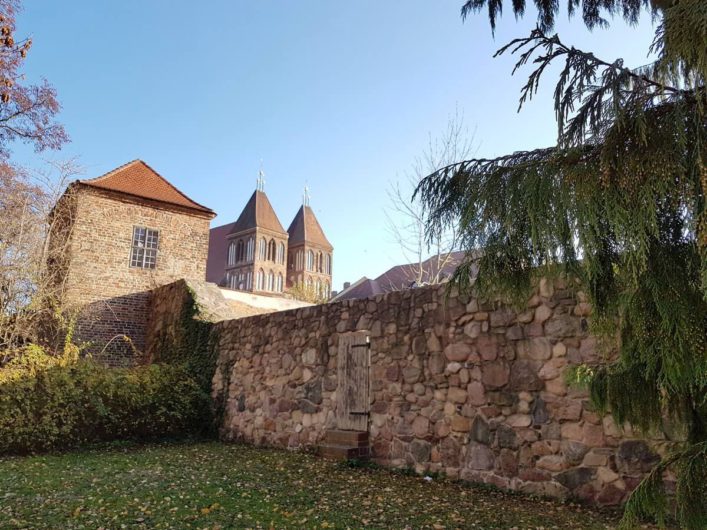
[327, 290]
[249, 280]
[279, 283]
[271, 250]
[327, 264]
[319, 288]
[320, 263]
[231, 254]
[143, 253]
[310, 260]
[250, 248]
[263, 250]
[271, 281]
[260, 281]
[281, 253]
[240, 254]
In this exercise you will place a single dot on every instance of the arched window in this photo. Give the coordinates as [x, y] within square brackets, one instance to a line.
[319, 288]
[231, 254]
[327, 290]
[240, 248]
[327, 265]
[280, 286]
[310, 283]
[260, 281]
[310, 260]
[281, 253]
[271, 281]
[263, 250]
[300, 260]
[249, 281]
[250, 249]
[271, 250]
[241, 281]
[320, 262]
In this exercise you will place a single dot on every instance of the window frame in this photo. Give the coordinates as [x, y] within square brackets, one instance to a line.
[145, 250]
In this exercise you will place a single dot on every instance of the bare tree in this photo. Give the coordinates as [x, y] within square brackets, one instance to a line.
[30, 261]
[426, 263]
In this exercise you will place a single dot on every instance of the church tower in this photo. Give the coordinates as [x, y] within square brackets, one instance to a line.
[256, 254]
[310, 254]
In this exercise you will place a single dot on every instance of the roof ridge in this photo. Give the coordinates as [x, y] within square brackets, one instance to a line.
[169, 183]
[97, 181]
[114, 170]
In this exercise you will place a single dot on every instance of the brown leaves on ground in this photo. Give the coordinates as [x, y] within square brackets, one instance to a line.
[217, 486]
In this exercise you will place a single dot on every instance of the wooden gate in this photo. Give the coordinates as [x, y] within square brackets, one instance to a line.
[353, 392]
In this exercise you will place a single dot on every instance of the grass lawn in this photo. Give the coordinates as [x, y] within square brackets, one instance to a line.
[216, 486]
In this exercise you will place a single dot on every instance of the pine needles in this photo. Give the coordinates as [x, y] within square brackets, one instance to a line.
[619, 202]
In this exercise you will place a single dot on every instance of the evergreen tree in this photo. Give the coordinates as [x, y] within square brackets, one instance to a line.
[619, 202]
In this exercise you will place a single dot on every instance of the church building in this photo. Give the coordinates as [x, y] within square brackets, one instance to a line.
[256, 254]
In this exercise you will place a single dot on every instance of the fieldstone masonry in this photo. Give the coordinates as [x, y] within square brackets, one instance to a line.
[471, 389]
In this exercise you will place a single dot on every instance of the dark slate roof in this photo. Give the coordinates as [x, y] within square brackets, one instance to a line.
[137, 179]
[305, 228]
[363, 288]
[218, 252]
[402, 277]
[258, 213]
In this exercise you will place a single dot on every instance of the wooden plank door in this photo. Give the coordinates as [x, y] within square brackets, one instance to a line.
[353, 392]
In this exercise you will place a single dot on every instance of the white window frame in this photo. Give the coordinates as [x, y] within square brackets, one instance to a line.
[144, 248]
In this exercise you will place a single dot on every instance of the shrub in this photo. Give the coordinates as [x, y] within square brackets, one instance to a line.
[60, 402]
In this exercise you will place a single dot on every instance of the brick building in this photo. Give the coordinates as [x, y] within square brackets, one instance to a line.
[125, 233]
[256, 254]
[310, 253]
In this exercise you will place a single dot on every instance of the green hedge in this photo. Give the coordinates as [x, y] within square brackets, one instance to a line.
[55, 403]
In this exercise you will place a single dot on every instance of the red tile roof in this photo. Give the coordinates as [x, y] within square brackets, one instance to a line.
[138, 179]
[258, 212]
[305, 228]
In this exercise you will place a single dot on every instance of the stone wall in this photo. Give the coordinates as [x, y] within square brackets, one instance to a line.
[114, 297]
[457, 386]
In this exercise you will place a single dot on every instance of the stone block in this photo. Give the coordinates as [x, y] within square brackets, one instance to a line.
[574, 451]
[476, 393]
[460, 423]
[481, 457]
[506, 437]
[457, 395]
[562, 325]
[495, 374]
[576, 477]
[552, 463]
[635, 457]
[524, 376]
[457, 352]
[480, 431]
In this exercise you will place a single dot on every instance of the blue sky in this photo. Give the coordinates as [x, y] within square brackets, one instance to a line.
[340, 95]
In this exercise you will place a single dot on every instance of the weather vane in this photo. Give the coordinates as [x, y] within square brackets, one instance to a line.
[261, 177]
[305, 196]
